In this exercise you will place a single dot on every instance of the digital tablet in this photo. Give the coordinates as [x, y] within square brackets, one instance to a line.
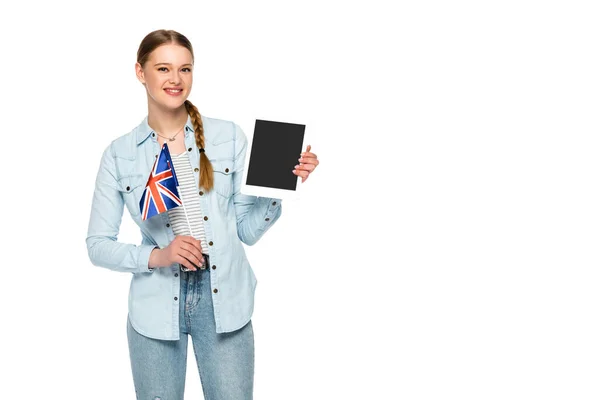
[273, 151]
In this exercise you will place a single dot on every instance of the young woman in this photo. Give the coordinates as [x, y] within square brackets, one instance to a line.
[199, 282]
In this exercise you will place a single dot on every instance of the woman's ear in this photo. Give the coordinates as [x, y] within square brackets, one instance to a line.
[139, 72]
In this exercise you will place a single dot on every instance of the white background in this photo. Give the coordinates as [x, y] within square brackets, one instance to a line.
[445, 248]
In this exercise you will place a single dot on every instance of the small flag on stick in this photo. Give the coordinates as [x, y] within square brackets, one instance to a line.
[161, 192]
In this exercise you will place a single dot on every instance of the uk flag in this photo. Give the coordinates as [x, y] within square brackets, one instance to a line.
[161, 192]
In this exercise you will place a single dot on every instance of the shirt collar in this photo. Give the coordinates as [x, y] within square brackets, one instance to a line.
[144, 130]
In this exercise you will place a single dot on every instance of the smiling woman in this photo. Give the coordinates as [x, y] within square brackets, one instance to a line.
[166, 72]
[190, 274]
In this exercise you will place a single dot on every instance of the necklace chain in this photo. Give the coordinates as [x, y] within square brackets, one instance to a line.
[172, 138]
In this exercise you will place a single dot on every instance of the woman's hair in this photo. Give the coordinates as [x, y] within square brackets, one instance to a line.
[148, 45]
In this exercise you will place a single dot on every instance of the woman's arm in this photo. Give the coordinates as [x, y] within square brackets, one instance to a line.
[255, 215]
[105, 219]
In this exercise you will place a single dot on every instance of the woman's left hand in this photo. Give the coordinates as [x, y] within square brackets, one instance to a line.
[307, 163]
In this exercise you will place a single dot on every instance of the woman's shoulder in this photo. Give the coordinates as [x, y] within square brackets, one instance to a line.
[125, 144]
[218, 130]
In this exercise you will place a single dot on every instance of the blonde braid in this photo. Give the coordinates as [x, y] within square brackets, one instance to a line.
[206, 179]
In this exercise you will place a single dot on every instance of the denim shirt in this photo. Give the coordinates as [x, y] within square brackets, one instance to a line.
[232, 219]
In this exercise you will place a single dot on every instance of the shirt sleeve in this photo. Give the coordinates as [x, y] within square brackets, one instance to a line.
[105, 219]
[255, 215]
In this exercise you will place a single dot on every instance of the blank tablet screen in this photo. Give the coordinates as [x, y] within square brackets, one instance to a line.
[276, 148]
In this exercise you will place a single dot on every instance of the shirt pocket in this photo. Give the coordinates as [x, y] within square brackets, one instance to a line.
[131, 188]
[223, 182]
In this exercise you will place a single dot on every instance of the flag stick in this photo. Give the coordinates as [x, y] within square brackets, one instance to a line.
[185, 212]
[189, 225]
[178, 191]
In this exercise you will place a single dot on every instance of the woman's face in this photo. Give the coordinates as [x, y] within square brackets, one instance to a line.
[167, 75]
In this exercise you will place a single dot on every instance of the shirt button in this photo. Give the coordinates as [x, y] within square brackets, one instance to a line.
[215, 290]
[175, 298]
[226, 169]
[214, 267]
[274, 203]
[153, 134]
[156, 156]
[196, 170]
[206, 218]
[210, 243]
[128, 188]
[176, 275]
[201, 193]
[190, 149]
[267, 219]
[168, 225]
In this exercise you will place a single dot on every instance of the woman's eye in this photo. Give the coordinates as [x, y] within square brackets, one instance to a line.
[161, 68]
[188, 69]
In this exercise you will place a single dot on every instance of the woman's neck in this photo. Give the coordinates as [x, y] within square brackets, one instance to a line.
[167, 122]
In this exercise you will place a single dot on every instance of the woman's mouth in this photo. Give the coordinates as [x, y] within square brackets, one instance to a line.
[174, 92]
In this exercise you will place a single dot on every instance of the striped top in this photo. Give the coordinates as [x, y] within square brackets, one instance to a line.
[191, 200]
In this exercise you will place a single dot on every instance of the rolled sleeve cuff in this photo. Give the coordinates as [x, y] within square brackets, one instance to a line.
[144, 257]
[273, 210]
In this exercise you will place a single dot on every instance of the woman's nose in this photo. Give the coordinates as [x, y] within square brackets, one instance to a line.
[175, 78]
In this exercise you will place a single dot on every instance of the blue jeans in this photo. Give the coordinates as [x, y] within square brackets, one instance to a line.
[225, 360]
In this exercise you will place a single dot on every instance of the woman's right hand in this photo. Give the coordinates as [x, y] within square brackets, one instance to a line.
[184, 250]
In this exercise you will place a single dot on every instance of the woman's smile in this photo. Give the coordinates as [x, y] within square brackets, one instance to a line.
[174, 92]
